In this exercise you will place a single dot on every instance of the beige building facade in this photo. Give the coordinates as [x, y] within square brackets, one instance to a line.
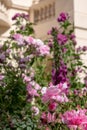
[44, 14]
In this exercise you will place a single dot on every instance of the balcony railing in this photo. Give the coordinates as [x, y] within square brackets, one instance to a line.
[44, 13]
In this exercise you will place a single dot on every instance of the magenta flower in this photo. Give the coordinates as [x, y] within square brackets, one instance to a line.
[62, 39]
[75, 119]
[63, 17]
[16, 16]
[22, 15]
[52, 106]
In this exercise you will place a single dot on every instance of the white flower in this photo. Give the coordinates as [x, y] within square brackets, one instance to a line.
[35, 110]
[39, 42]
[43, 90]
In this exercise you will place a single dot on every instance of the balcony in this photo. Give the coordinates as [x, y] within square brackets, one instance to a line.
[42, 10]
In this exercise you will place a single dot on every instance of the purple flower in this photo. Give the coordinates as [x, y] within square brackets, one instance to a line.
[79, 49]
[62, 39]
[16, 16]
[22, 66]
[63, 17]
[60, 75]
[72, 36]
[24, 60]
[84, 48]
[22, 27]
[2, 58]
[54, 76]
[23, 15]
[64, 50]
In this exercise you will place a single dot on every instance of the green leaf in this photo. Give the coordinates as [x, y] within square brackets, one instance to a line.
[29, 128]
[18, 128]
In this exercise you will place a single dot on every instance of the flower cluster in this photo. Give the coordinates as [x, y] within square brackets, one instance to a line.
[52, 101]
[56, 93]
[32, 87]
[60, 75]
[63, 17]
[62, 39]
[19, 15]
[48, 118]
[35, 45]
[75, 119]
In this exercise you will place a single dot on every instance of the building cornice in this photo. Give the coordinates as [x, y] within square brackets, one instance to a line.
[10, 4]
[19, 7]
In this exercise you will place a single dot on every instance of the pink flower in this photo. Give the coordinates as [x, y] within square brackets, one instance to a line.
[31, 92]
[37, 86]
[44, 50]
[51, 117]
[48, 117]
[49, 32]
[75, 119]
[30, 40]
[55, 93]
[19, 39]
[47, 128]
[1, 77]
[44, 118]
[26, 78]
